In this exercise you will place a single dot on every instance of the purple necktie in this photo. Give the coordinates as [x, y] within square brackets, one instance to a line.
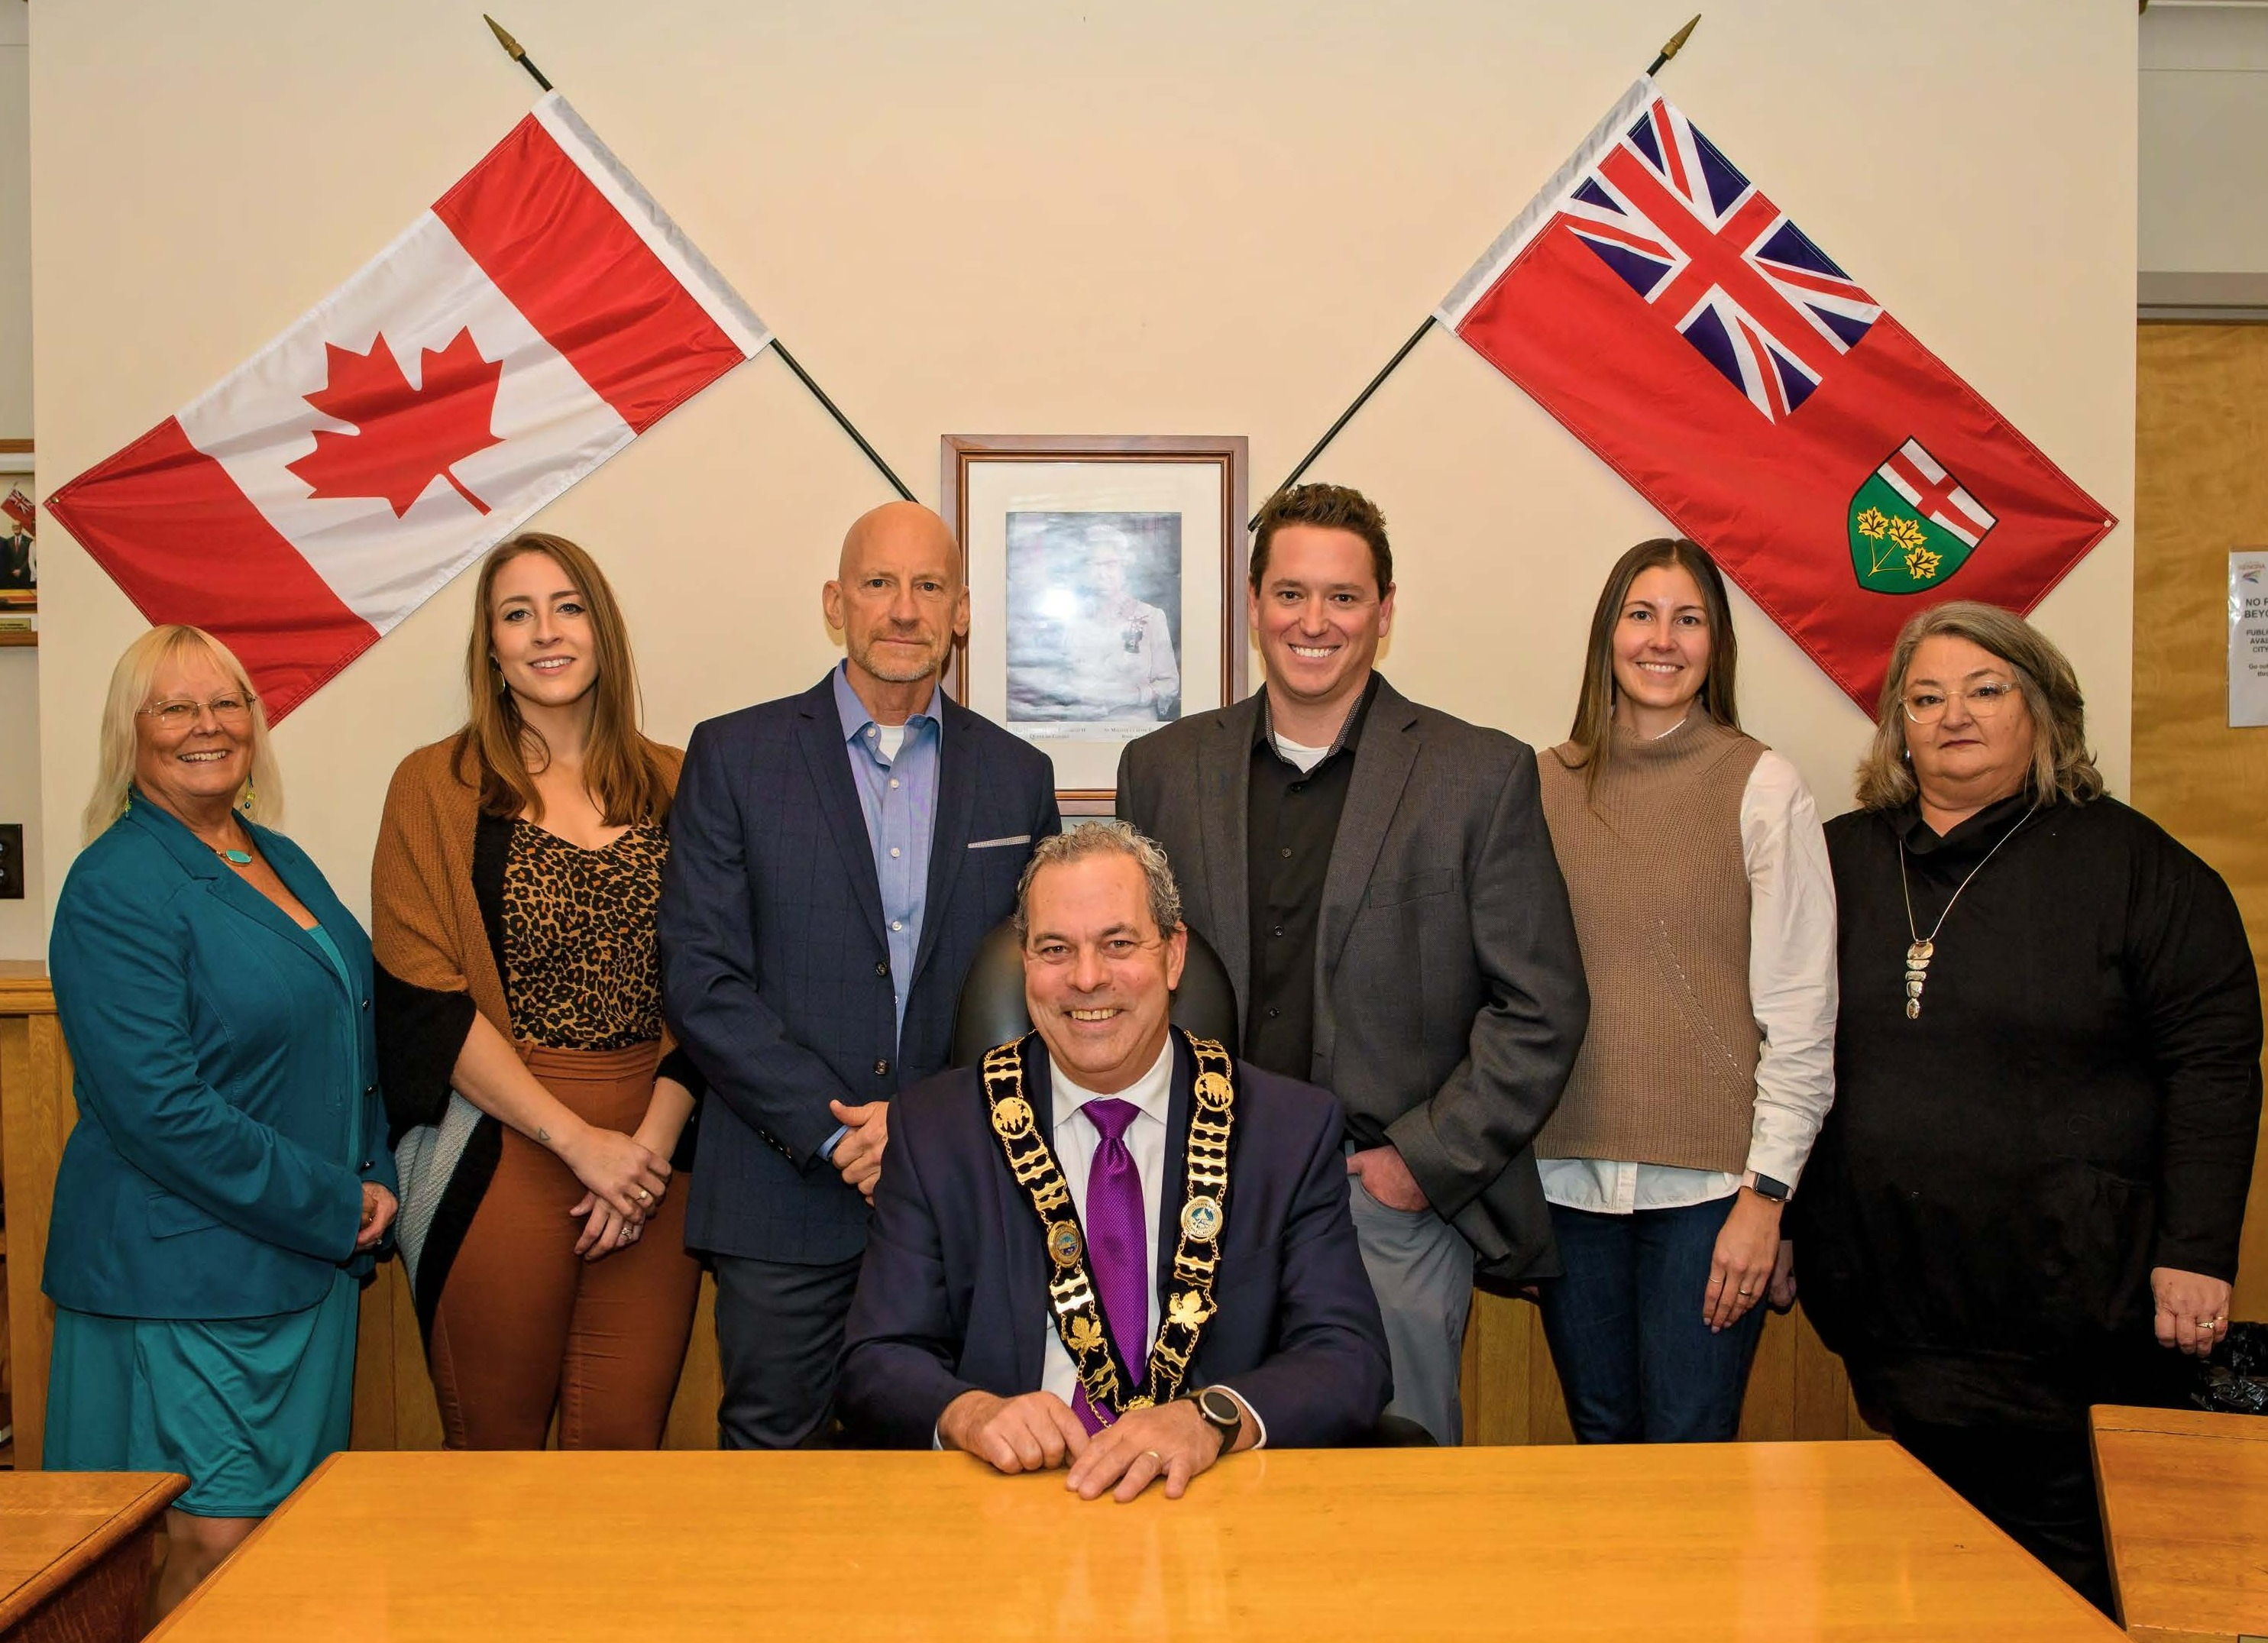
[1117, 1252]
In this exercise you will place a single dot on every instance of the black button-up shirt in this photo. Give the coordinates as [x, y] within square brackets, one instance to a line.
[1291, 822]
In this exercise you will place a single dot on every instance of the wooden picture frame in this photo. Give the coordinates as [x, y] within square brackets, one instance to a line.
[1108, 589]
[19, 607]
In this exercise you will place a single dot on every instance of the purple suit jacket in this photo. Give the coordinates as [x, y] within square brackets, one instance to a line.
[952, 1295]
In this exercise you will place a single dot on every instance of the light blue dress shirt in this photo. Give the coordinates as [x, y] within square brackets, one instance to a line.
[898, 795]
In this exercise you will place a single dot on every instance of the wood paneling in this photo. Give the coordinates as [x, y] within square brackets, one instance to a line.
[1512, 1393]
[36, 1113]
[395, 1407]
[1797, 1389]
[2201, 489]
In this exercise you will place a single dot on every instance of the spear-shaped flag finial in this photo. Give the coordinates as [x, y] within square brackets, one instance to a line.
[1676, 43]
[514, 49]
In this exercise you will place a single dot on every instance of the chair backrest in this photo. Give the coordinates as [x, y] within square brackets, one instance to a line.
[991, 1010]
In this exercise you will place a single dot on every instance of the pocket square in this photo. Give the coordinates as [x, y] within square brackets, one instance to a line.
[995, 843]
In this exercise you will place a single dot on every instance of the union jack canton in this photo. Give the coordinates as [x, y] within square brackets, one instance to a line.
[1681, 227]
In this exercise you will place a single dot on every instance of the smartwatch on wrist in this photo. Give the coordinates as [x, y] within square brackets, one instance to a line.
[1220, 1411]
[1765, 1186]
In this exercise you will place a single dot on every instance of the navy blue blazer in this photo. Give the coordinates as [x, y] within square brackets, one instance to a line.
[952, 1296]
[775, 966]
[227, 1084]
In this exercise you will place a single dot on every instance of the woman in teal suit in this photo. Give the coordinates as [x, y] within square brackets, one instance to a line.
[228, 1179]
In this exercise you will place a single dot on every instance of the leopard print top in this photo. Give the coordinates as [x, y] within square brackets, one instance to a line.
[580, 969]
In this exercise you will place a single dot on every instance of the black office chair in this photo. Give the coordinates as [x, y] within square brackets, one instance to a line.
[991, 1010]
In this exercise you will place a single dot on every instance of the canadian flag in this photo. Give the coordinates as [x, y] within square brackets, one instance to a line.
[540, 316]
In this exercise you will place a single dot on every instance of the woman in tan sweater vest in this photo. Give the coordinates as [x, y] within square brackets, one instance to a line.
[1697, 872]
[535, 1098]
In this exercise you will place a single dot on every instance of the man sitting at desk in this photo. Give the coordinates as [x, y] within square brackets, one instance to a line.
[1110, 1244]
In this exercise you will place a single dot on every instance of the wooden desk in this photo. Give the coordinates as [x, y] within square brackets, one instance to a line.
[2185, 1509]
[1785, 1541]
[75, 1553]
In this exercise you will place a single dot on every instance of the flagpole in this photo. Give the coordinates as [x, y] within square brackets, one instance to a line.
[1670, 48]
[518, 54]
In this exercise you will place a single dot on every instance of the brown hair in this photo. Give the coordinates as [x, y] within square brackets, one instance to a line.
[618, 770]
[1592, 733]
[2062, 767]
[1326, 507]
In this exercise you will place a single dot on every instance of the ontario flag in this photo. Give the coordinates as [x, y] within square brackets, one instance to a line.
[1679, 323]
[540, 316]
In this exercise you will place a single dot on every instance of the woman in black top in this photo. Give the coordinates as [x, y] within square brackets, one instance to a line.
[2027, 1194]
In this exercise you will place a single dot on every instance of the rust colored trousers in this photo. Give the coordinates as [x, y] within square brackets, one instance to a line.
[525, 1324]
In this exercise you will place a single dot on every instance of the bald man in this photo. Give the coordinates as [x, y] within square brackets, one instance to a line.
[835, 859]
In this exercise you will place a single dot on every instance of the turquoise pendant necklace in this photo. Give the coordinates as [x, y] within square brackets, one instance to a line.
[241, 858]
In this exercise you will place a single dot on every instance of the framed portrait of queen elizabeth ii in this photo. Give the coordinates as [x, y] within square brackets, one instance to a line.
[1107, 590]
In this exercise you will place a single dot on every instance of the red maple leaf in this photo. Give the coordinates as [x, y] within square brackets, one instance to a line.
[404, 436]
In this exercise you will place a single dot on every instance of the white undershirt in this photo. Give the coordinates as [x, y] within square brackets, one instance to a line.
[1300, 757]
[1074, 1141]
[1792, 990]
[890, 737]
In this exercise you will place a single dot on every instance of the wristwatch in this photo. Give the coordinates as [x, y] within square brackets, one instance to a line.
[1765, 1186]
[1220, 1411]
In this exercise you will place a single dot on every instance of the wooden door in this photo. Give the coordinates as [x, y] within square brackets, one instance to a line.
[2201, 489]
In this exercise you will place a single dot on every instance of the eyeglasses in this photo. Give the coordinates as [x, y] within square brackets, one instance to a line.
[1985, 701]
[233, 710]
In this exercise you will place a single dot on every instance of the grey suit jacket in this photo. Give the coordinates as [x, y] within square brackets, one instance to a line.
[1449, 991]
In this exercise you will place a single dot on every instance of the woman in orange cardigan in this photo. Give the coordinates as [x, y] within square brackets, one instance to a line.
[535, 1102]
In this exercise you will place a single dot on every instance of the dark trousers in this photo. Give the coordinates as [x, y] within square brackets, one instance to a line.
[2037, 1487]
[780, 1345]
[1634, 1358]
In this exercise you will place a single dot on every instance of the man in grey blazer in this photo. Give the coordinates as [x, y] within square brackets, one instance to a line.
[1378, 879]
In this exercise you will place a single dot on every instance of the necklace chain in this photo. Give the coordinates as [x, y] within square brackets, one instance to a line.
[1923, 948]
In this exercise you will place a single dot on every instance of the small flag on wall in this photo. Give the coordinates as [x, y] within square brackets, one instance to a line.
[540, 316]
[1681, 325]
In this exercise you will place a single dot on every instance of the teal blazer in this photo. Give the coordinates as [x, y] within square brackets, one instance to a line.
[227, 1084]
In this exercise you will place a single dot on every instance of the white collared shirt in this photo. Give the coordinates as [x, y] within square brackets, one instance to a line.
[1074, 1141]
[1793, 992]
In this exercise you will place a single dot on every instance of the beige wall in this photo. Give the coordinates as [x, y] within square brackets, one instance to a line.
[15, 217]
[1019, 216]
[23, 932]
[2203, 139]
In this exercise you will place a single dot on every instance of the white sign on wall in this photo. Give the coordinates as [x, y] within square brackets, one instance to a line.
[2247, 636]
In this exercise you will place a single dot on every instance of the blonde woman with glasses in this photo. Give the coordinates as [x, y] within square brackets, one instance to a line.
[2047, 1070]
[227, 1182]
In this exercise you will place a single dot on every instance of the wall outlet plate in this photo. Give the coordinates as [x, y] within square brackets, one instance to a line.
[12, 861]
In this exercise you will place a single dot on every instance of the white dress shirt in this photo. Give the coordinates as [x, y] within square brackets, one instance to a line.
[1074, 1141]
[1792, 989]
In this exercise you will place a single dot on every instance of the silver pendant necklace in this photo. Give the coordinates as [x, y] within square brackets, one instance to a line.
[1924, 947]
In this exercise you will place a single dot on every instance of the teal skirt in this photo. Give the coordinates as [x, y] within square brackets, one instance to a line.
[244, 1407]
